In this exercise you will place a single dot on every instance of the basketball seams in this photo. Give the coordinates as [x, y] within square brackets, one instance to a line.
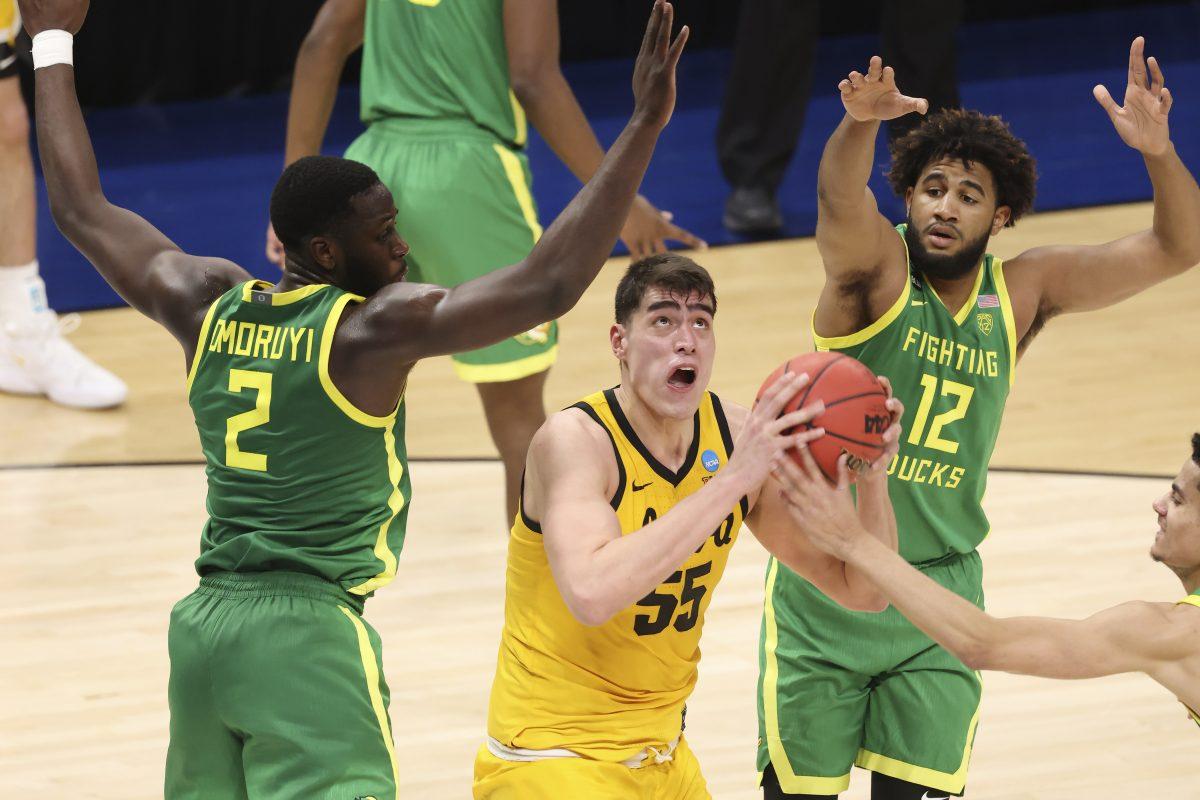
[848, 398]
[833, 435]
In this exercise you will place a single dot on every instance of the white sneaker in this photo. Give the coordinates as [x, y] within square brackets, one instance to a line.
[36, 359]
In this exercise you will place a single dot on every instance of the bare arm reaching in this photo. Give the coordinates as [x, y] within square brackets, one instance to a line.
[145, 267]
[412, 322]
[1053, 280]
[572, 475]
[336, 32]
[532, 40]
[777, 524]
[859, 250]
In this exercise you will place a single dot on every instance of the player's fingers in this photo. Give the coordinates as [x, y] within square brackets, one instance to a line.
[918, 104]
[662, 44]
[875, 68]
[677, 48]
[657, 246]
[809, 464]
[1137, 66]
[804, 438]
[843, 471]
[667, 215]
[652, 24]
[1100, 92]
[687, 237]
[798, 417]
[845, 87]
[886, 383]
[895, 408]
[1165, 100]
[856, 78]
[1156, 76]
[780, 392]
[889, 77]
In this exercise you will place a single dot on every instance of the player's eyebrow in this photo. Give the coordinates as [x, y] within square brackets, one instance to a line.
[973, 185]
[661, 304]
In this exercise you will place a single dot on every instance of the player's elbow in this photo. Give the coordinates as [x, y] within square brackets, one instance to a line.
[589, 608]
[530, 79]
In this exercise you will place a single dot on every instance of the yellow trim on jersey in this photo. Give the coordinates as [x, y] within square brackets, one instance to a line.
[789, 781]
[383, 550]
[280, 298]
[1006, 309]
[371, 669]
[516, 177]
[201, 343]
[1191, 600]
[509, 370]
[851, 339]
[519, 122]
[924, 776]
[960, 316]
[335, 394]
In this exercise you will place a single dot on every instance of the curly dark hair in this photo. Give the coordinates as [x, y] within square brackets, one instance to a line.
[1196, 448]
[673, 273]
[971, 137]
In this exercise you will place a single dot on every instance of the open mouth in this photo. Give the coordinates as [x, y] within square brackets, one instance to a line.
[940, 236]
[682, 378]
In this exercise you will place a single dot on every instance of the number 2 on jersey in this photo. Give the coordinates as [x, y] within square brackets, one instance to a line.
[928, 392]
[260, 382]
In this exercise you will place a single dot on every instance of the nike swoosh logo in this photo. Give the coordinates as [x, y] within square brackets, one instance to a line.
[921, 303]
[4, 64]
[928, 796]
[637, 487]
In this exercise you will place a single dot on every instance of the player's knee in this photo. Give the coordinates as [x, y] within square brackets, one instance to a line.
[14, 125]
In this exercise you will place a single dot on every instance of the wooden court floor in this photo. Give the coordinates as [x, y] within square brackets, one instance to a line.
[93, 557]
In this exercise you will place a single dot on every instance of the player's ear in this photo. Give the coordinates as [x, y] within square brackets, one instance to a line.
[1000, 219]
[616, 338]
[324, 252]
[908, 194]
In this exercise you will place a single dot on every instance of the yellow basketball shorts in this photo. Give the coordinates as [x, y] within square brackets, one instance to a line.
[558, 778]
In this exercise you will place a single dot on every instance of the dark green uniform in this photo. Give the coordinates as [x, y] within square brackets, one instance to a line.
[840, 687]
[276, 686]
[447, 136]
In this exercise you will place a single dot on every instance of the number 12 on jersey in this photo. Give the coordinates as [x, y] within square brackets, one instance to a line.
[929, 392]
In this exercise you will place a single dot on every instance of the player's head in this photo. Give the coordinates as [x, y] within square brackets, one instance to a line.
[1177, 543]
[337, 220]
[963, 176]
[663, 334]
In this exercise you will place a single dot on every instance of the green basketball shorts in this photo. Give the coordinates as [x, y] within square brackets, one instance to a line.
[465, 209]
[276, 691]
[839, 688]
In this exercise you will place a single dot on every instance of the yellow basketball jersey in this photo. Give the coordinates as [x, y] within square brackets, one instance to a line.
[610, 691]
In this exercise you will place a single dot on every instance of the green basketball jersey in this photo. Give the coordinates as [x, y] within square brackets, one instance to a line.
[299, 480]
[952, 370]
[439, 59]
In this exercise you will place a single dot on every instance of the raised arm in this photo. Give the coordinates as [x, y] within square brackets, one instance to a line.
[145, 267]
[1052, 280]
[336, 32]
[572, 476]
[532, 40]
[858, 248]
[412, 322]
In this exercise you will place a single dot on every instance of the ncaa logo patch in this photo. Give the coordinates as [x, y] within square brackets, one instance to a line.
[985, 322]
[710, 460]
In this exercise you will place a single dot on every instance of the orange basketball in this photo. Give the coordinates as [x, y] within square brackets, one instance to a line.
[855, 415]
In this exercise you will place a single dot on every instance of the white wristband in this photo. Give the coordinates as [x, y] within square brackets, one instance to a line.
[52, 47]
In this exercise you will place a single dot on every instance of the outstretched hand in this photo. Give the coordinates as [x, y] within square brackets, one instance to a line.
[1142, 121]
[49, 15]
[891, 437]
[825, 512]
[647, 230]
[654, 72]
[874, 96]
[766, 436]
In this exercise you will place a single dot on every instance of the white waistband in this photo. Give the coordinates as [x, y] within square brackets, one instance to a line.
[499, 750]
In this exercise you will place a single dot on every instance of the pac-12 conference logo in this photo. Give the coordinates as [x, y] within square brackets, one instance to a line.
[710, 460]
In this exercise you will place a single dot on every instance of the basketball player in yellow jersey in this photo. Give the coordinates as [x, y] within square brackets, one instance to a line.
[1159, 639]
[632, 500]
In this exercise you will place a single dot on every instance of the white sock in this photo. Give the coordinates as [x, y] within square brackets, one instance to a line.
[22, 293]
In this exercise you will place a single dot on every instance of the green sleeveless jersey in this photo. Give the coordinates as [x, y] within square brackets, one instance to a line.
[439, 60]
[299, 479]
[952, 370]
